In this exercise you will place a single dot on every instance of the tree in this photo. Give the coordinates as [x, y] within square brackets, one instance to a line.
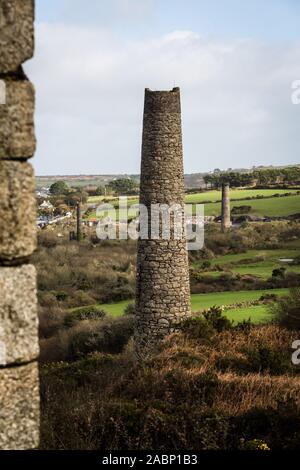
[123, 186]
[207, 180]
[62, 209]
[100, 191]
[73, 197]
[59, 188]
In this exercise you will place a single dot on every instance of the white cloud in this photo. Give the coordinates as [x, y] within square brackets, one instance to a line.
[235, 97]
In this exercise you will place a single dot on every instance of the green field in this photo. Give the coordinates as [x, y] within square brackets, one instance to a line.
[263, 270]
[262, 265]
[252, 254]
[216, 196]
[204, 301]
[256, 313]
[98, 199]
[268, 207]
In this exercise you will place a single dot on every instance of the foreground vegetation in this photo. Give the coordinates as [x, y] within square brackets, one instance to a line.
[203, 389]
[220, 382]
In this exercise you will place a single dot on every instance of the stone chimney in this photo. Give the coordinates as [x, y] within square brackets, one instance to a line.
[163, 289]
[78, 221]
[226, 222]
[19, 383]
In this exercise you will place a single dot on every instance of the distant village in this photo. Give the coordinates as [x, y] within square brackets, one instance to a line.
[46, 211]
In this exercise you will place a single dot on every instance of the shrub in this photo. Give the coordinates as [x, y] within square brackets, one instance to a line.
[47, 239]
[231, 362]
[256, 444]
[241, 209]
[84, 313]
[214, 316]
[296, 260]
[265, 359]
[287, 311]
[198, 328]
[130, 309]
[108, 335]
[47, 299]
[81, 298]
[61, 296]
[51, 319]
[206, 265]
[279, 272]
[268, 297]
[278, 427]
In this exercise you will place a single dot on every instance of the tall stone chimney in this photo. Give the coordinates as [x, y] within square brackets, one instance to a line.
[226, 222]
[19, 382]
[163, 289]
[78, 221]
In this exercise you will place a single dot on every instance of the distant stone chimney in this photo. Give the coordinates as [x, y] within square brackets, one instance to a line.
[226, 222]
[19, 383]
[78, 221]
[163, 289]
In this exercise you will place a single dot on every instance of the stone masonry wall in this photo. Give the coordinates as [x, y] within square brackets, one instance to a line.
[19, 385]
[163, 289]
[226, 221]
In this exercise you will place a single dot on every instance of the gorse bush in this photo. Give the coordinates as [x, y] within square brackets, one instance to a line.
[83, 313]
[81, 337]
[216, 318]
[85, 274]
[206, 324]
[198, 328]
[130, 309]
[51, 320]
[287, 310]
[266, 359]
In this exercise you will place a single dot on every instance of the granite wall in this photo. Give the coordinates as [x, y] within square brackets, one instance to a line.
[19, 383]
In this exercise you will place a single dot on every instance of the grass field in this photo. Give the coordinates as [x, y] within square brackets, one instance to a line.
[216, 196]
[263, 270]
[204, 301]
[262, 265]
[268, 206]
[257, 314]
[98, 199]
[252, 254]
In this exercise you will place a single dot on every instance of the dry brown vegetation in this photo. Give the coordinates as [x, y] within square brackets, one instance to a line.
[209, 386]
[217, 391]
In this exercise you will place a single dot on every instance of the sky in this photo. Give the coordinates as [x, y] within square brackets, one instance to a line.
[235, 62]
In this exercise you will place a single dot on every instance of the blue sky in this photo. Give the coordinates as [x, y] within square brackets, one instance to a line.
[267, 20]
[234, 61]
